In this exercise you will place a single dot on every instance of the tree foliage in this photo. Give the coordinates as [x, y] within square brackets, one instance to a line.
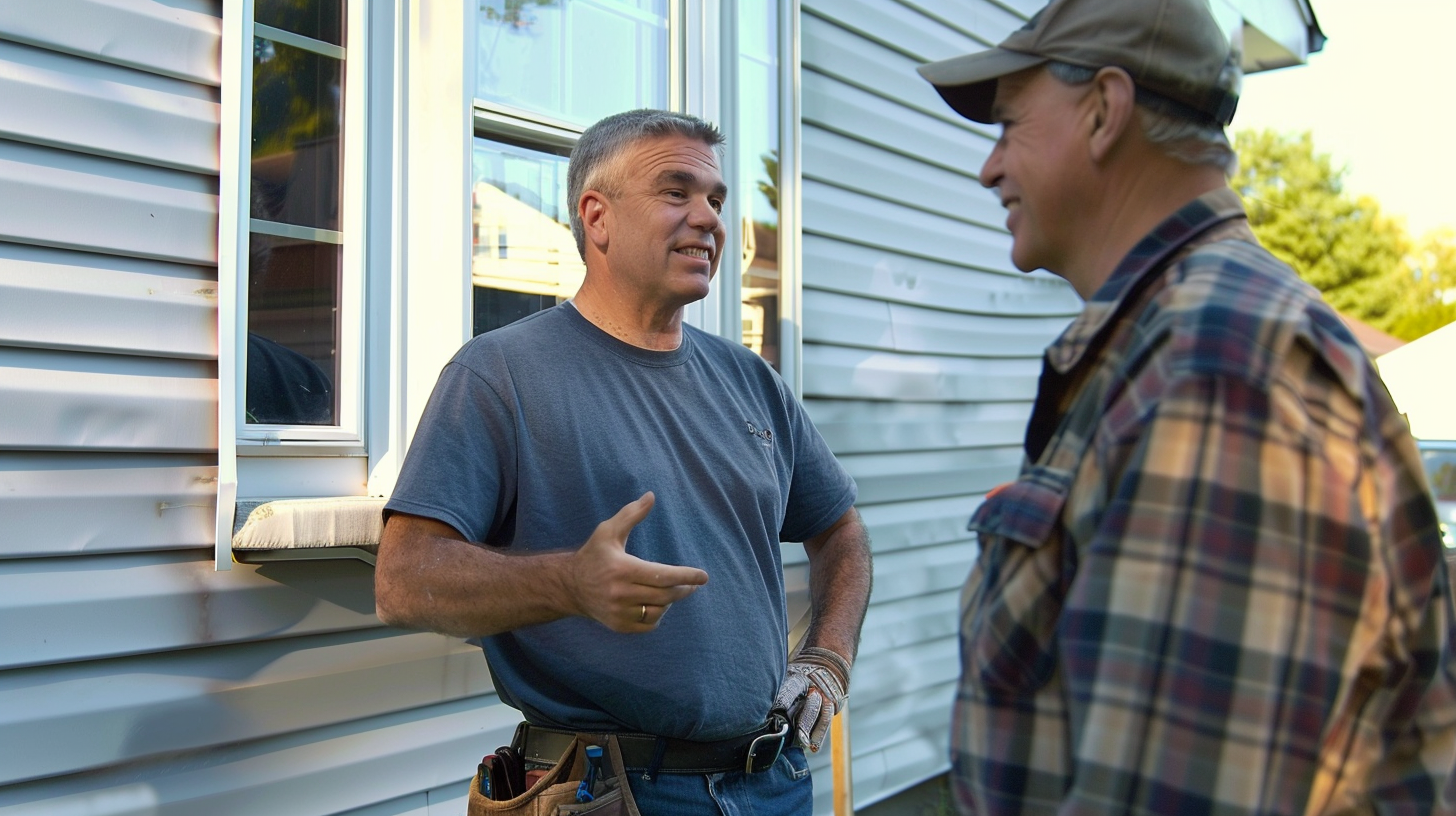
[1364, 262]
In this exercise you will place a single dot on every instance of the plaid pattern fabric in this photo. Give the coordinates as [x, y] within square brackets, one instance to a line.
[1217, 586]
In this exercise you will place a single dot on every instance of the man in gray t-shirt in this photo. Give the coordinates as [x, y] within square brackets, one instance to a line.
[599, 491]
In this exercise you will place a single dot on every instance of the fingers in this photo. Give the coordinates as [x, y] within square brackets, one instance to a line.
[821, 723]
[632, 513]
[808, 720]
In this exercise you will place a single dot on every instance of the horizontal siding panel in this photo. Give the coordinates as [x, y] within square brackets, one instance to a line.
[837, 52]
[833, 265]
[855, 165]
[887, 477]
[858, 114]
[857, 218]
[917, 749]
[105, 303]
[72, 103]
[913, 620]
[102, 712]
[924, 571]
[179, 38]
[846, 373]
[62, 401]
[58, 610]
[895, 26]
[848, 320]
[71, 201]
[327, 770]
[987, 21]
[919, 523]
[867, 427]
[72, 504]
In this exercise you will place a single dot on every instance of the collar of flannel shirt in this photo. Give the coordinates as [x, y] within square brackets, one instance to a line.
[1195, 218]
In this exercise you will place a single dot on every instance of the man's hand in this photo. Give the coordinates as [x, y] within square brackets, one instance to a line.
[816, 688]
[623, 592]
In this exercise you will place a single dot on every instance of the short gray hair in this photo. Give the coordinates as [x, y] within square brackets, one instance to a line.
[1185, 139]
[594, 164]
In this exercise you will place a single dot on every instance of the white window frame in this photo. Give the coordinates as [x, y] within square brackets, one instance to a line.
[324, 446]
[727, 321]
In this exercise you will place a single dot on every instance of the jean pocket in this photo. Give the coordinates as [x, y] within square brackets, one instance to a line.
[794, 763]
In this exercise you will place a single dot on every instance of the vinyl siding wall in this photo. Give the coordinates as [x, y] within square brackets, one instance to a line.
[922, 345]
[135, 679]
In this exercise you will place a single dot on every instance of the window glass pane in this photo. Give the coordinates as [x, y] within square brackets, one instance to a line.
[524, 257]
[297, 112]
[758, 185]
[574, 60]
[316, 19]
[293, 335]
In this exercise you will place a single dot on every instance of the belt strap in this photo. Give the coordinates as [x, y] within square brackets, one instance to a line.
[751, 752]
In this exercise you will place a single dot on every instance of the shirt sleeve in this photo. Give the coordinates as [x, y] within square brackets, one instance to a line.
[460, 466]
[1227, 642]
[820, 489]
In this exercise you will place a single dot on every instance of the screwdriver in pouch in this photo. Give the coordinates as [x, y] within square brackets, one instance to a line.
[593, 768]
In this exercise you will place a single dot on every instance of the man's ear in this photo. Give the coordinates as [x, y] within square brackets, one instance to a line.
[1114, 95]
[593, 212]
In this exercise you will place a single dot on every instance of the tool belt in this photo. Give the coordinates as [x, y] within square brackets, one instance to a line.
[585, 777]
[750, 753]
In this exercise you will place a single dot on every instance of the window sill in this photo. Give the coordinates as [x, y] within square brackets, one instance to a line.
[308, 529]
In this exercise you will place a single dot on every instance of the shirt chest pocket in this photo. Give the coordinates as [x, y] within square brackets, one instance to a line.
[1014, 597]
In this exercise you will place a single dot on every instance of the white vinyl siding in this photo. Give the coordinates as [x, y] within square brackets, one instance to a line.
[135, 678]
[922, 346]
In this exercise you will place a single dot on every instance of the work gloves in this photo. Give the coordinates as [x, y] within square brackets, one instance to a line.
[816, 688]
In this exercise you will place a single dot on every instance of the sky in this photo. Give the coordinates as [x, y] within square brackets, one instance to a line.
[1380, 99]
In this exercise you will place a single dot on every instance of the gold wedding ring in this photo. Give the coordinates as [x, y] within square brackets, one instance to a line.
[643, 617]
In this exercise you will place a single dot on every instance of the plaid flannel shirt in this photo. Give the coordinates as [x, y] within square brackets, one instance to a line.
[1217, 585]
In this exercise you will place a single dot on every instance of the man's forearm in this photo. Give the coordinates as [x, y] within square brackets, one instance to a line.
[840, 576]
[429, 578]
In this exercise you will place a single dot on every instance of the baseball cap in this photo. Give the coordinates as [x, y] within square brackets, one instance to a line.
[1174, 51]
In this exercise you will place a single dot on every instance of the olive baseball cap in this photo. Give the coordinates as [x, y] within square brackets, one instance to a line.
[1174, 51]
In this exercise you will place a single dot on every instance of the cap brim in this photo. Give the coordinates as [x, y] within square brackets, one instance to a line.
[968, 83]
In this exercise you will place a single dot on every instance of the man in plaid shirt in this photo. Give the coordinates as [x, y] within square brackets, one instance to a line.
[1217, 585]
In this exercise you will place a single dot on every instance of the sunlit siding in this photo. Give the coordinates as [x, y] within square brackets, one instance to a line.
[134, 678]
[922, 345]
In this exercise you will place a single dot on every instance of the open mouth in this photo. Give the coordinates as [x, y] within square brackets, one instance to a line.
[695, 252]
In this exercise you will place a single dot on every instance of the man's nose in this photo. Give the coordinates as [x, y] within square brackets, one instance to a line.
[991, 171]
[705, 218]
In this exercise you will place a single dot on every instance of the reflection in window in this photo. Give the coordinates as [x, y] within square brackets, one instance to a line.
[315, 20]
[523, 257]
[573, 60]
[293, 335]
[294, 266]
[758, 183]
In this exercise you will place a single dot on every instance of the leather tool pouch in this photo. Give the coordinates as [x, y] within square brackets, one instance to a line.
[555, 793]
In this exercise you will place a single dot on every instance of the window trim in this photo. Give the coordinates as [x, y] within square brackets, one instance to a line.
[346, 436]
[236, 437]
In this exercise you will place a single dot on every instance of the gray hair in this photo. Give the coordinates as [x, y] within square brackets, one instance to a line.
[594, 161]
[1184, 139]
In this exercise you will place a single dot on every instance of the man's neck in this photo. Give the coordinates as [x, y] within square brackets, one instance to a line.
[1130, 209]
[631, 322]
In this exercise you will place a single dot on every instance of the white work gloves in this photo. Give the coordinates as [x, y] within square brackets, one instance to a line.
[816, 688]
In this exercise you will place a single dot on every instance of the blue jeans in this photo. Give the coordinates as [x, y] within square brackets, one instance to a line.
[783, 790]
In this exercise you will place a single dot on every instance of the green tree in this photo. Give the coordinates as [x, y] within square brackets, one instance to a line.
[1363, 261]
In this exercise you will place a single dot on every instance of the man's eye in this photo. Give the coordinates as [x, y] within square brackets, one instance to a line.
[716, 204]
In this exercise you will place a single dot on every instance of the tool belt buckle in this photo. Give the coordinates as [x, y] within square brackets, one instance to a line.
[762, 757]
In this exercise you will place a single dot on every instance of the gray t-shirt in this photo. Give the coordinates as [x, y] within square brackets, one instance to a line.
[540, 430]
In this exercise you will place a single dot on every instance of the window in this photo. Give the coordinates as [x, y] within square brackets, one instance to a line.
[757, 144]
[302, 282]
[546, 69]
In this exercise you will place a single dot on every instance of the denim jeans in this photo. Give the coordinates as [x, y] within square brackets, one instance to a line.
[783, 790]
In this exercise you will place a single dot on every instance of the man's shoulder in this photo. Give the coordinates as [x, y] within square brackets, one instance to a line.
[1233, 308]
